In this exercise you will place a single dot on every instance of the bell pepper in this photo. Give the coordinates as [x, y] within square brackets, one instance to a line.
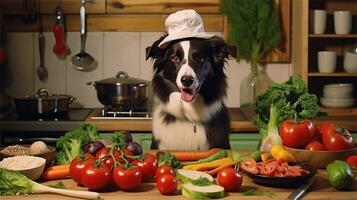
[278, 152]
[340, 175]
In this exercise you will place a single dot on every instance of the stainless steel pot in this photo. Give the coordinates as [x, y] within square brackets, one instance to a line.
[43, 103]
[121, 91]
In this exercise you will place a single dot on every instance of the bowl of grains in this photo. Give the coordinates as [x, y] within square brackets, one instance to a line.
[30, 166]
[38, 148]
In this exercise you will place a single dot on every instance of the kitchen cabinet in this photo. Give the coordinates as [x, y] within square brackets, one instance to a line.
[306, 45]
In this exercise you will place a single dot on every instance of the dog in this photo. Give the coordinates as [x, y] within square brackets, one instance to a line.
[189, 87]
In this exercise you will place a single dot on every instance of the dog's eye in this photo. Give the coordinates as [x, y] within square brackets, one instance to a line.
[175, 59]
[201, 60]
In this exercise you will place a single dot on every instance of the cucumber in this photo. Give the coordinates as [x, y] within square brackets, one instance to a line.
[185, 175]
[202, 192]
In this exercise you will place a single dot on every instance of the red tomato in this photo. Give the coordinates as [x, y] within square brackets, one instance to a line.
[230, 179]
[335, 138]
[77, 165]
[126, 152]
[147, 166]
[127, 179]
[296, 134]
[108, 161]
[268, 168]
[352, 161]
[315, 146]
[96, 177]
[164, 169]
[249, 165]
[166, 184]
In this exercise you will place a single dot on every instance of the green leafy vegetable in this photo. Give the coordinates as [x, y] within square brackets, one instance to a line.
[58, 185]
[15, 183]
[202, 181]
[70, 145]
[254, 27]
[279, 102]
[238, 157]
[166, 158]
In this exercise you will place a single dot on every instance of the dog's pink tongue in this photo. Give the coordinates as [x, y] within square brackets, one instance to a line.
[187, 96]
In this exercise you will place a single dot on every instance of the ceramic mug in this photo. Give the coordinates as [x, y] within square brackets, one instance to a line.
[342, 21]
[350, 62]
[326, 61]
[318, 21]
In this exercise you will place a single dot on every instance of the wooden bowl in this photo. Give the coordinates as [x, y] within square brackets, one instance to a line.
[33, 171]
[319, 159]
[50, 155]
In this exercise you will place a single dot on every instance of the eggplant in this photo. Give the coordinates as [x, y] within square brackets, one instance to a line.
[93, 147]
[135, 148]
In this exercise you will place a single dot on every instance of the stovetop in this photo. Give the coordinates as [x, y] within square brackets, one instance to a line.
[123, 113]
[73, 119]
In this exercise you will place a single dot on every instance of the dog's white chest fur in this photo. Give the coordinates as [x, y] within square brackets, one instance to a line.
[186, 132]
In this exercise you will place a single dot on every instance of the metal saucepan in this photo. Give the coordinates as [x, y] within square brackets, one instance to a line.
[121, 91]
[43, 103]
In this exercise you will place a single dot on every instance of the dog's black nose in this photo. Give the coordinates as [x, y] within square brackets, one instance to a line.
[187, 81]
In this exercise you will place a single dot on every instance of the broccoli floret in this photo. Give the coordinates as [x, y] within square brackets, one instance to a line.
[70, 145]
[279, 102]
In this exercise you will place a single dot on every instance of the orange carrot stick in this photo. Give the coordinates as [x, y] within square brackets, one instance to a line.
[214, 172]
[56, 172]
[194, 155]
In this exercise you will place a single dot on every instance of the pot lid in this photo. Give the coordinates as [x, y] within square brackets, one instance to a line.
[44, 94]
[122, 78]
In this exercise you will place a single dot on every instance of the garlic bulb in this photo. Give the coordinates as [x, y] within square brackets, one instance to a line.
[38, 147]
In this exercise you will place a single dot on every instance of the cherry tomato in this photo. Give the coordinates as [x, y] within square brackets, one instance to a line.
[250, 165]
[126, 152]
[147, 166]
[315, 146]
[296, 134]
[335, 138]
[96, 177]
[230, 179]
[352, 161]
[166, 184]
[77, 165]
[108, 160]
[127, 179]
[164, 169]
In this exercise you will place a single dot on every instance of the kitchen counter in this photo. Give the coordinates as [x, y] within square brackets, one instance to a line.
[319, 190]
[240, 122]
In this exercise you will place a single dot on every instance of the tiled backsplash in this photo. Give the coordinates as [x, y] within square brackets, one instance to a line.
[114, 51]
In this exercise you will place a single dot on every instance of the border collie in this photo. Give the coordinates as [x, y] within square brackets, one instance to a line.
[189, 87]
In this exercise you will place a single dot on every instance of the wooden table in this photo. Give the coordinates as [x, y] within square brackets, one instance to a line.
[319, 190]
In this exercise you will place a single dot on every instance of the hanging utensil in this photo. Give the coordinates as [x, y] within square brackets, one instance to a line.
[60, 48]
[83, 61]
[41, 70]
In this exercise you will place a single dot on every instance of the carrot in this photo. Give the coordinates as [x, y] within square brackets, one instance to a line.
[194, 155]
[209, 165]
[56, 172]
[214, 172]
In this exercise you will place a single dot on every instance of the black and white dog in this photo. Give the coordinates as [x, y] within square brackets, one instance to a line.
[189, 87]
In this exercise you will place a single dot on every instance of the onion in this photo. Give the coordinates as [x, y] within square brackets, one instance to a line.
[93, 147]
[135, 148]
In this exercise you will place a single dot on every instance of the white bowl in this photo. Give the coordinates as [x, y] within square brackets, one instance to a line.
[33, 167]
[337, 95]
[337, 103]
[338, 89]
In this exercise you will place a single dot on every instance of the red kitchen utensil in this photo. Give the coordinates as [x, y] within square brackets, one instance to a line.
[60, 48]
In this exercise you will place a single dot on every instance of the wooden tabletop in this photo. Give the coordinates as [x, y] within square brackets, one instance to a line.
[319, 190]
[240, 122]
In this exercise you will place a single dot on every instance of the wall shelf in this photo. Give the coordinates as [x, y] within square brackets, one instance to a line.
[347, 36]
[336, 74]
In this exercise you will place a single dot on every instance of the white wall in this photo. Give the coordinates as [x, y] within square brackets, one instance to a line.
[114, 51]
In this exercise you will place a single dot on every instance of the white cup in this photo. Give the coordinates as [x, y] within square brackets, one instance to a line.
[318, 21]
[326, 61]
[342, 21]
[350, 62]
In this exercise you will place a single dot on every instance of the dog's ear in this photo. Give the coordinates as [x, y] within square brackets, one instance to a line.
[222, 50]
[154, 51]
